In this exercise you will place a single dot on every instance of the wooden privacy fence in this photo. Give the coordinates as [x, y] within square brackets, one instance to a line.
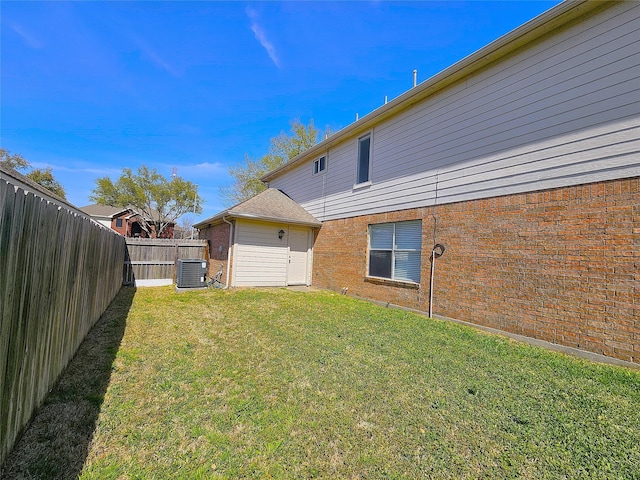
[154, 259]
[59, 271]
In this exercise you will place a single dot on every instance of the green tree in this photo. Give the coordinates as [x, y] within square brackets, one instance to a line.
[13, 161]
[283, 148]
[46, 179]
[43, 177]
[157, 200]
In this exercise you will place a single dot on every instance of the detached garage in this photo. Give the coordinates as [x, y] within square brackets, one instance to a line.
[265, 241]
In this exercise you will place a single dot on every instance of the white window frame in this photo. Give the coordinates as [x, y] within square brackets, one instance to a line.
[317, 164]
[363, 182]
[395, 251]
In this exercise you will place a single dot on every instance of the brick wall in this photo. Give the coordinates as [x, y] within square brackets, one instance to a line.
[218, 236]
[122, 229]
[560, 265]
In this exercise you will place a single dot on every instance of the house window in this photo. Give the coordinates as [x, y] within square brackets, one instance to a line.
[319, 165]
[395, 250]
[118, 223]
[364, 155]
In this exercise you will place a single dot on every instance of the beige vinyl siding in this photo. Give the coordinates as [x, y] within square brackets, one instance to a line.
[260, 257]
[563, 111]
[336, 183]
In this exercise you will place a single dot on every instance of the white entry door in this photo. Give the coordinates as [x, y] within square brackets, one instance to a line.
[298, 256]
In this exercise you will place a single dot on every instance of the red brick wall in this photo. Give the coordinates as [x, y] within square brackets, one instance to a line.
[218, 236]
[133, 223]
[560, 265]
[168, 231]
[122, 230]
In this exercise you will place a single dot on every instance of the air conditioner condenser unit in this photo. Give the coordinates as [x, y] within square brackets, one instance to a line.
[191, 273]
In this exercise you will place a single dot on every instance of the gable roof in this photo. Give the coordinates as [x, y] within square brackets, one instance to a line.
[97, 210]
[270, 206]
[103, 210]
[555, 18]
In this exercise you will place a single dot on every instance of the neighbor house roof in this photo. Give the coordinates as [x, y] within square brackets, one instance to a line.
[108, 211]
[103, 210]
[526, 34]
[270, 206]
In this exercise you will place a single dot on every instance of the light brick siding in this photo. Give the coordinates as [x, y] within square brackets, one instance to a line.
[560, 265]
[218, 236]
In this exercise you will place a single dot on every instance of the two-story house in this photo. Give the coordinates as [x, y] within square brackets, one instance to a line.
[519, 166]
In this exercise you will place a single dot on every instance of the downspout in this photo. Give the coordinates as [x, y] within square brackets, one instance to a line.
[435, 235]
[228, 250]
[433, 267]
[438, 250]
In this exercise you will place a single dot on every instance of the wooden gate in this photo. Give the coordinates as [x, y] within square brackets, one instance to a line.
[152, 261]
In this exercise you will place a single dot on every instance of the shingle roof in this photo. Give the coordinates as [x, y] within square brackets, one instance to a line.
[271, 205]
[102, 210]
[109, 211]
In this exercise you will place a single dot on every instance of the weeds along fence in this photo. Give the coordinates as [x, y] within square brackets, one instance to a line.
[59, 271]
[150, 259]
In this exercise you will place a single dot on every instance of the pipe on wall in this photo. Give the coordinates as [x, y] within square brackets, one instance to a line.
[437, 251]
[224, 219]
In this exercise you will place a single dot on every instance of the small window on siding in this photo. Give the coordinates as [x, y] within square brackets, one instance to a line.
[364, 157]
[319, 165]
[395, 250]
[118, 223]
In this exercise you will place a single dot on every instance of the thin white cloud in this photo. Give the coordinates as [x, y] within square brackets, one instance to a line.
[262, 37]
[202, 170]
[31, 40]
[103, 171]
[155, 57]
[160, 62]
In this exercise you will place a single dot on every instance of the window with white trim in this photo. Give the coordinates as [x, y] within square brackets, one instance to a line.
[319, 165]
[395, 250]
[364, 157]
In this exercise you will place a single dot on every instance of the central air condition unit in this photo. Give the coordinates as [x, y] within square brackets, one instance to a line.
[191, 273]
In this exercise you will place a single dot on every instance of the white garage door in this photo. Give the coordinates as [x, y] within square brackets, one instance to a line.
[260, 257]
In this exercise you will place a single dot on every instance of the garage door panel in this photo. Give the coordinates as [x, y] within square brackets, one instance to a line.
[260, 258]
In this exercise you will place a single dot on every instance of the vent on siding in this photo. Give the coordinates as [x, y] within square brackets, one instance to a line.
[191, 273]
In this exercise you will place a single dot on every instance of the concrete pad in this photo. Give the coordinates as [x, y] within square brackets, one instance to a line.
[155, 282]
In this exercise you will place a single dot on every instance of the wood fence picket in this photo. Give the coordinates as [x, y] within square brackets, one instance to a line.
[59, 270]
[156, 258]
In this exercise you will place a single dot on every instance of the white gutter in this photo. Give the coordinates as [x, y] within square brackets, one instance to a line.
[211, 220]
[249, 216]
[265, 218]
[228, 250]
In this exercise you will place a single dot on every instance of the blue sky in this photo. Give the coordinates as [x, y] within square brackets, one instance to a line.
[88, 88]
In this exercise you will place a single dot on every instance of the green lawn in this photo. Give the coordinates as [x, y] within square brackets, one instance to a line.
[282, 384]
